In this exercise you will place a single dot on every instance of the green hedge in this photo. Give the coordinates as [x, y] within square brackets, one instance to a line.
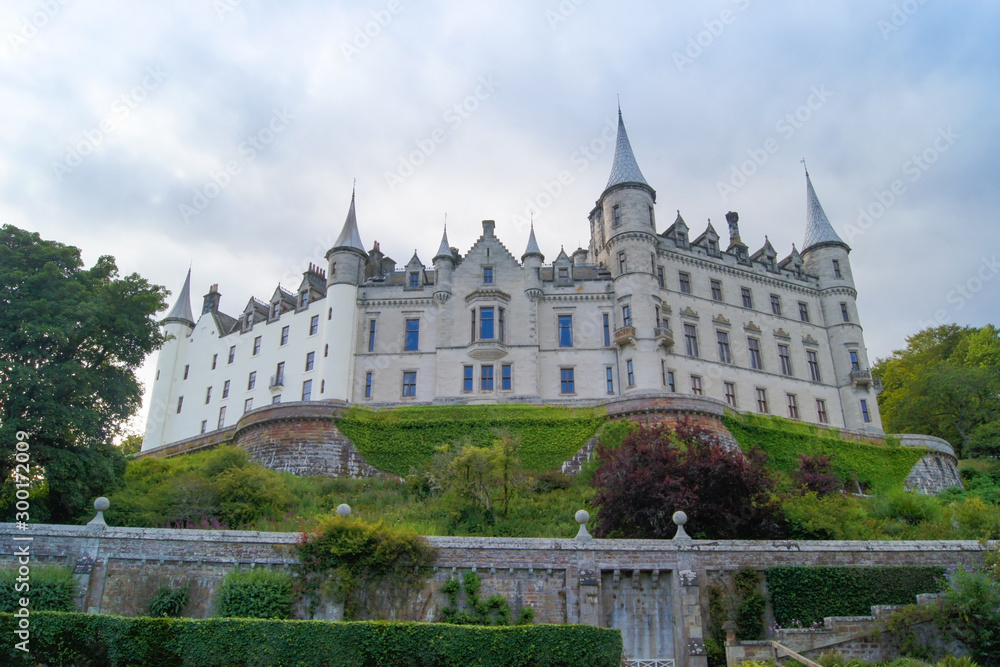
[398, 439]
[257, 593]
[95, 639]
[809, 594]
[50, 588]
[880, 467]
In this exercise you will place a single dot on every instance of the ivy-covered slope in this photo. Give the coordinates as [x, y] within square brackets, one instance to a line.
[398, 439]
[879, 467]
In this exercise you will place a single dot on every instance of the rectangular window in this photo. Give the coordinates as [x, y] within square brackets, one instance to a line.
[506, 377]
[284, 335]
[310, 360]
[371, 335]
[843, 312]
[412, 340]
[313, 325]
[786, 360]
[864, 411]
[607, 329]
[803, 311]
[232, 354]
[730, 390]
[659, 276]
[486, 378]
[670, 382]
[696, 385]
[622, 263]
[776, 304]
[563, 273]
[256, 346]
[187, 368]
[855, 364]
[252, 380]
[307, 390]
[652, 222]
[761, 399]
[225, 389]
[466, 378]
[500, 324]
[626, 315]
[716, 290]
[208, 396]
[276, 399]
[222, 417]
[793, 406]
[215, 361]
[724, 354]
[821, 411]
[414, 279]
[368, 384]
[756, 362]
[565, 331]
[747, 296]
[275, 309]
[326, 350]
[279, 375]
[685, 280]
[567, 384]
[617, 213]
[486, 323]
[410, 383]
[303, 299]
[487, 275]
[631, 373]
[813, 362]
[609, 378]
[180, 403]
[691, 340]
[248, 405]
[836, 269]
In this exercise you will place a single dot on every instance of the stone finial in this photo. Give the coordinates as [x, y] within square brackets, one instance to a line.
[680, 518]
[730, 628]
[582, 517]
[344, 510]
[101, 505]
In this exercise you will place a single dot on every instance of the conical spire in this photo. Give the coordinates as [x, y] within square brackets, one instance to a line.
[349, 236]
[625, 169]
[181, 312]
[444, 250]
[532, 248]
[819, 231]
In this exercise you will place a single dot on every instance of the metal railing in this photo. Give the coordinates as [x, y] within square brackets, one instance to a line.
[277, 380]
[651, 662]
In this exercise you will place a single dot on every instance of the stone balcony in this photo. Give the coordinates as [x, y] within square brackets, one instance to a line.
[664, 336]
[625, 336]
[487, 350]
[863, 378]
[277, 381]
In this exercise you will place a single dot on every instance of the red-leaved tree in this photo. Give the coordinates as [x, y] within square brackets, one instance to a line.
[815, 473]
[727, 494]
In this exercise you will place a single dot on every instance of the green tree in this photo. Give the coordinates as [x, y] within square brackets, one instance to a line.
[945, 383]
[71, 339]
[488, 477]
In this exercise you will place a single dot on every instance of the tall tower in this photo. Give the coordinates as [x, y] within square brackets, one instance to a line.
[177, 325]
[825, 255]
[623, 228]
[347, 259]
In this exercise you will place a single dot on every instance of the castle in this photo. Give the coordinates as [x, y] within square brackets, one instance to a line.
[637, 313]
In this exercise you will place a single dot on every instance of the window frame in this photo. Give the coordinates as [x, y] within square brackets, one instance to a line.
[746, 294]
[753, 350]
[725, 353]
[812, 361]
[564, 329]
[691, 340]
[411, 335]
[285, 332]
[486, 377]
[567, 381]
[785, 359]
[684, 282]
[409, 384]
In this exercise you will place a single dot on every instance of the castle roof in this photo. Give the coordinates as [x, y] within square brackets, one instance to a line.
[532, 248]
[349, 235]
[819, 231]
[625, 169]
[444, 250]
[181, 312]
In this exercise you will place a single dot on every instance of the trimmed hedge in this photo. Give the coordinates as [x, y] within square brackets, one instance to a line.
[96, 639]
[881, 467]
[50, 588]
[399, 439]
[808, 594]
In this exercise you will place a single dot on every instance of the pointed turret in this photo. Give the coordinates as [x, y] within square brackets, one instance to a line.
[532, 248]
[181, 312]
[444, 265]
[444, 250]
[349, 235]
[625, 169]
[819, 231]
[347, 257]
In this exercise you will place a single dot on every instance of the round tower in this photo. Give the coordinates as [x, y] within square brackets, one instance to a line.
[825, 255]
[177, 326]
[532, 260]
[444, 267]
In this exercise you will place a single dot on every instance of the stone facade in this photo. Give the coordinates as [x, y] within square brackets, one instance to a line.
[638, 311]
[655, 592]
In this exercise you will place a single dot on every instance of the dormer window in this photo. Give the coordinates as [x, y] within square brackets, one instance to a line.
[713, 246]
[304, 299]
[275, 309]
[770, 264]
[248, 320]
[563, 274]
[487, 275]
[414, 279]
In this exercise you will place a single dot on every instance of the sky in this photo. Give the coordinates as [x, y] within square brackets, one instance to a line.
[226, 135]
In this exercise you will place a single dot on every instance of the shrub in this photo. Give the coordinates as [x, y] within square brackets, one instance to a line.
[494, 610]
[833, 517]
[815, 473]
[256, 593]
[51, 588]
[248, 493]
[657, 471]
[168, 602]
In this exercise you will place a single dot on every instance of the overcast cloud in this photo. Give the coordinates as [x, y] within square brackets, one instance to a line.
[227, 134]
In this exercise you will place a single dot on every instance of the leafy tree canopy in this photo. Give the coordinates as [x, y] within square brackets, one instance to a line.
[946, 383]
[71, 339]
